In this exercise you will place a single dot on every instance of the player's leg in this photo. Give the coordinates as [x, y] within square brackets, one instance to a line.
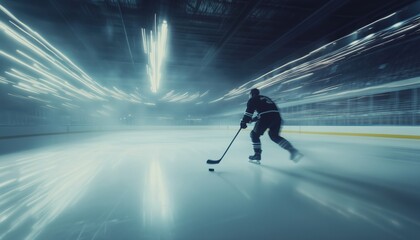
[256, 146]
[274, 133]
[259, 128]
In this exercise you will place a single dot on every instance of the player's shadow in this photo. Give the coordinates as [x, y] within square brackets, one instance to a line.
[350, 186]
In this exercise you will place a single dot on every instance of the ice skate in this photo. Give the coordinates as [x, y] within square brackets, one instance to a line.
[256, 158]
[295, 156]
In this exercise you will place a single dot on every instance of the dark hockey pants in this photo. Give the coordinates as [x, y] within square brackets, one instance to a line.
[273, 122]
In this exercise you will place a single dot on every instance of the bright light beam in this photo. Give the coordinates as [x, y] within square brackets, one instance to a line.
[154, 47]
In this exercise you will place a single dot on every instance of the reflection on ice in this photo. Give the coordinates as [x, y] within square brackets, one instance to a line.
[156, 199]
[135, 185]
[36, 189]
[367, 210]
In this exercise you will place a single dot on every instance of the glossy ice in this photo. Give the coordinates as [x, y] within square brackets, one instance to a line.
[155, 184]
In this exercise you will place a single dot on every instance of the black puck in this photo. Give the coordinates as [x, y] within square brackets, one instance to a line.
[211, 169]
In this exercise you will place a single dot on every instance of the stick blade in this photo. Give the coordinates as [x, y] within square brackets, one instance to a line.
[209, 161]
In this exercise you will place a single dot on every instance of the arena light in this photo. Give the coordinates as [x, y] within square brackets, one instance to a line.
[154, 46]
[37, 67]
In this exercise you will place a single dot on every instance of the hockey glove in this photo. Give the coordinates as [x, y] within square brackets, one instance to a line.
[243, 125]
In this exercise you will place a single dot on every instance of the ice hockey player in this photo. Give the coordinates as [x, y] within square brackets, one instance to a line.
[268, 117]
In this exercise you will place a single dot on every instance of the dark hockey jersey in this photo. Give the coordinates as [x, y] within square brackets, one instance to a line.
[261, 104]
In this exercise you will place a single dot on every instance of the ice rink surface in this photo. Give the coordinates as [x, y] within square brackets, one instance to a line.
[155, 184]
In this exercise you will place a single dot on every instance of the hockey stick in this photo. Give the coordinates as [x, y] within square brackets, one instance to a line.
[218, 161]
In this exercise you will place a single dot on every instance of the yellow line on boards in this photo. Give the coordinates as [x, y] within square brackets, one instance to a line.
[358, 134]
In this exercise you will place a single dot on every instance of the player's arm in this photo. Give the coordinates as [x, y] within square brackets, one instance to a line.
[250, 109]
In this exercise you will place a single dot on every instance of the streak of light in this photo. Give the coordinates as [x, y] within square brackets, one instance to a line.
[369, 36]
[216, 100]
[34, 38]
[397, 25]
[64, 98]
[69, 105]
[326, 89]
[171, 96]
[144, 37]
[298, 78]
[156, 198]
[154, 47]
[7, 182]
[204, 94]
[36, 85]
[32, 59]
[40, 39]
[38, 99]
[292, 89]
[49, 106]
[18, 96]
[45, 53]
[45, 74]
[26, 88]
[48, 184]
[4, 80]
[310, 63]
[379, 20]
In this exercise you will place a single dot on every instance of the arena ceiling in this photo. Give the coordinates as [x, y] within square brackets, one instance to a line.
[213, 45]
